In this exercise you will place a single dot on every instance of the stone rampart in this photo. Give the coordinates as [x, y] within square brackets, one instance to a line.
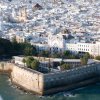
[6, 67]
[28, 79]
[54, 81]
[43, 83]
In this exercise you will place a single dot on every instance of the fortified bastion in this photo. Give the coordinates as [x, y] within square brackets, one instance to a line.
[49, 83]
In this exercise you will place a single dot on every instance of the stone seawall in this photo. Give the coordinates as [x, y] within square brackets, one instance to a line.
[71, 86]
[52, 82]
[6, 67]
[27, 79]
[68, 79]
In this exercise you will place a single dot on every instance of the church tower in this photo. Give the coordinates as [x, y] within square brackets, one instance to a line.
[22, 14]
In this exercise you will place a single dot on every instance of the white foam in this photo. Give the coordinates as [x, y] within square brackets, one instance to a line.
[1, 97]
[69, 95]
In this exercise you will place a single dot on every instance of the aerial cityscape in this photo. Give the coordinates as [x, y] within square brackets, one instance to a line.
[49, 49]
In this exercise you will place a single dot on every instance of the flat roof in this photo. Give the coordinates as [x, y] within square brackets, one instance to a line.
[66, 60]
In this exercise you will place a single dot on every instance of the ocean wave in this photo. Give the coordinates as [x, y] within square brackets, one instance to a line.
[1, 97]
[69, 95]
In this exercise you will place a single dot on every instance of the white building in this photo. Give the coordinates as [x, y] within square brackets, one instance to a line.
[92, 48]
[18, 60]
[95, 49]
[56, 43]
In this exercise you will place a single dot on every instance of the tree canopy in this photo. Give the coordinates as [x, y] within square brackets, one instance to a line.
[97, 57]
[13, 48]
[31, 63]
[65, 66]
[84, 59]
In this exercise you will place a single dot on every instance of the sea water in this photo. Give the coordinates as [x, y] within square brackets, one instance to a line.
[1, 97]
[10, 92]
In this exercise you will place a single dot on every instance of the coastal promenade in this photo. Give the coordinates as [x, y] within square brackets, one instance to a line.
[49, 83]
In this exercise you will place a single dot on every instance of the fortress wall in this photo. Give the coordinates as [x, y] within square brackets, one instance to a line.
[29, 80]
[44, 83]
[69, 77]
[98, 68]
[4, 66]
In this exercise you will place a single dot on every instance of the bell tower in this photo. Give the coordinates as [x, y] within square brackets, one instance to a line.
[22, 14]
